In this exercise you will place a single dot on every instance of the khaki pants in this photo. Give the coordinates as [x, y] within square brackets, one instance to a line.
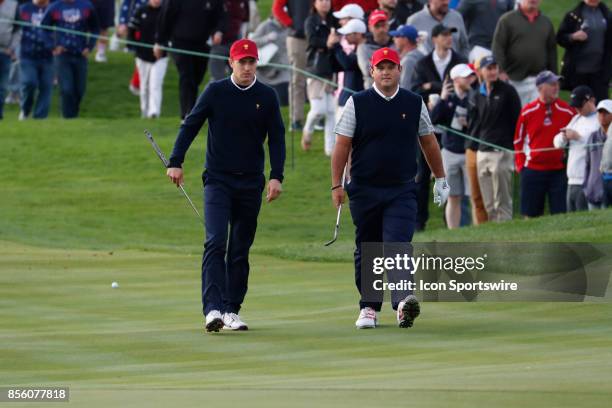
[479, 214]
[495, 177]
[296, 49]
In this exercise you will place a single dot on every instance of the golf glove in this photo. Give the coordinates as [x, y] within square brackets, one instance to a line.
[441, 191]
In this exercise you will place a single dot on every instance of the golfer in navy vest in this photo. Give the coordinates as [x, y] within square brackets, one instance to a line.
[382, 128]
[241, 113]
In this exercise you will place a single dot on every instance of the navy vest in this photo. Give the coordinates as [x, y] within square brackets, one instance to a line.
[385, 143]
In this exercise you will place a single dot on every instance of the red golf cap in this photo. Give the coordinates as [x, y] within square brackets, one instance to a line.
[377, 16]
[385, 54]
[243, 49]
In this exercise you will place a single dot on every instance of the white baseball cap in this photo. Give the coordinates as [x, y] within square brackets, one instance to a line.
[353, 26]
[461, 71]
[606, 105]
[350, 11]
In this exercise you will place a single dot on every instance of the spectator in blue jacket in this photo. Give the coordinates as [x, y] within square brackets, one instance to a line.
[36, 62]
[451, 110]
[71, 49]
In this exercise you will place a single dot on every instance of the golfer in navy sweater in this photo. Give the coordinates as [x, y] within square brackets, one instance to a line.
[381, 128]
[241, 112]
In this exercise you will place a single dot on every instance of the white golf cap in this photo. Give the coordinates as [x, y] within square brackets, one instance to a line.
[350, 11]
[353, 26]
[461, 71]
[606, 105]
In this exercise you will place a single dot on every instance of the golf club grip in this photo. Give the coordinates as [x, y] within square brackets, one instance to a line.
[157, 149]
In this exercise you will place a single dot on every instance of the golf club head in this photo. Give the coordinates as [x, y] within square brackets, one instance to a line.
[336, 228]
[331, 242]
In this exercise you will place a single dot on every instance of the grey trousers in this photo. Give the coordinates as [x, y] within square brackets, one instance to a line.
[296, 49]
[576, 200]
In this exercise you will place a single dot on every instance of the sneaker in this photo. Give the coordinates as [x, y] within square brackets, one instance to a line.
[232, 321]
[297, 126]
[214, 321]
[12, 98]
[408, 310]
[367, 319]
[101, 57]
[22, 116]
[135, 91]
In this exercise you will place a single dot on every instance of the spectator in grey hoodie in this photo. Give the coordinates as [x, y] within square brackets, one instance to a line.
[271, 35]
[405, 39]
[437, 12]
[9, 39]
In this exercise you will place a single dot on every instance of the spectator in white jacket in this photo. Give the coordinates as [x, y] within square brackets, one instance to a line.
[576, 134]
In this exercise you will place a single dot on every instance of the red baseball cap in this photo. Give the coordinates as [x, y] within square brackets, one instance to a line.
[243, 49]
[377, 16]
[385, 54]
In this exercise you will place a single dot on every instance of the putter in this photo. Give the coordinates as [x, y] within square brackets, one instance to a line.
[337, 228]
[163, 159]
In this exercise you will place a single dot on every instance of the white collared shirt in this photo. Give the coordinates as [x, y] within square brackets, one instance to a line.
[441, 64]
[348, 120]
[241, 88]
[385, 97]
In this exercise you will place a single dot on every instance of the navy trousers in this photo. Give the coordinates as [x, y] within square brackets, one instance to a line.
[231, 208]
[381, 214]
[5, 68]
[536, 185]
[36, 76]
[72, 77]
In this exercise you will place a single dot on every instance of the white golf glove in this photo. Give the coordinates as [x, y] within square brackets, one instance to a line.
[441, 191]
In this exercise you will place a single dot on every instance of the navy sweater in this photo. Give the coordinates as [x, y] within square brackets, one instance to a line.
[238, 123]
[34, 42]
[385, 143]
[447, 113]
[76, 15]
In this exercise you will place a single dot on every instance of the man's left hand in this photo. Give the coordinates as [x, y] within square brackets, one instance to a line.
[85, 52]
[275, 188]
[441, 191]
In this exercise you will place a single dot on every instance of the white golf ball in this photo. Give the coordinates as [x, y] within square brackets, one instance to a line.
[114, 285]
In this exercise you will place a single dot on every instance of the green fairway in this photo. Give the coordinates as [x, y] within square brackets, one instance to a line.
[85, 203]
[142, 344]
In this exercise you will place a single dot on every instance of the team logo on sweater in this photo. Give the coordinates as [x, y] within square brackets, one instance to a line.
[71, 15]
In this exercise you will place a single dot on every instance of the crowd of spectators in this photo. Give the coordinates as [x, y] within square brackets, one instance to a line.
[487, 70]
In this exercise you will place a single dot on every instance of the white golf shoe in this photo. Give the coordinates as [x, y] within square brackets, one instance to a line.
[232, 321]
[408, 310]
[214, 321]
[367, 319]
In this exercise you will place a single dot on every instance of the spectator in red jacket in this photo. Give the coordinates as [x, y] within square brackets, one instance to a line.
[542, 171]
